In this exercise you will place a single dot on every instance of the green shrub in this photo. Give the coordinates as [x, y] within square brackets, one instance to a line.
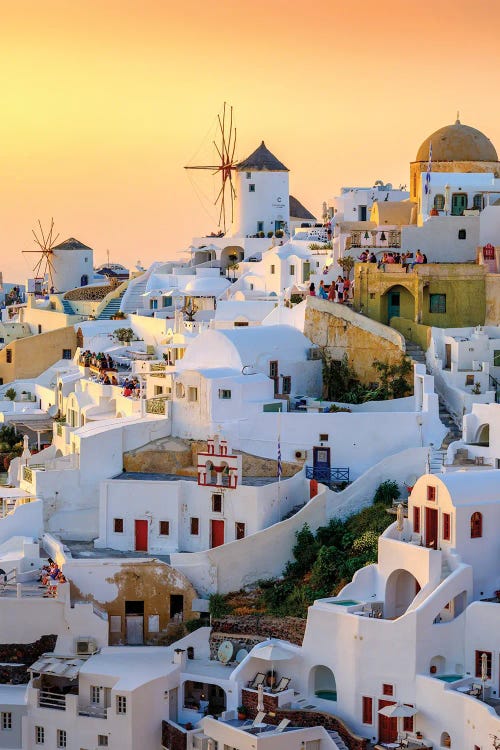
[217, 606]
[194, 624]
[386, 492]
[10, 393]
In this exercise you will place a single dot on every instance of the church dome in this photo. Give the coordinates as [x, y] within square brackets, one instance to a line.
[457, 143]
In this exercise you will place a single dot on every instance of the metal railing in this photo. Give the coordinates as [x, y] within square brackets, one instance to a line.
[157, 405]
[46, 699]
[94, 711]
[495, 385]
[328, 474]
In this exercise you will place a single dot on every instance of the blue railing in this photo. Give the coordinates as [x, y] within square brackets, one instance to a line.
[327, 474]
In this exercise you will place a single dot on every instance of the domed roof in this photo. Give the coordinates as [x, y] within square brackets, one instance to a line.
[457, 143]
[207, 285]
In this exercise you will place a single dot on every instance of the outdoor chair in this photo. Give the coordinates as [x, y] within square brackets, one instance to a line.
[259, 679]
[282, 725]
[282, 685]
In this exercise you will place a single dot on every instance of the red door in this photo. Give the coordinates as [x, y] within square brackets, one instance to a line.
[387, 726]
[141, 536]
[216, 533]
[431, 528]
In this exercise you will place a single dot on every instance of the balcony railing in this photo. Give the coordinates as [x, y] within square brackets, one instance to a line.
[46, 699]
[327, 475]
[93, 710]
[156, 405]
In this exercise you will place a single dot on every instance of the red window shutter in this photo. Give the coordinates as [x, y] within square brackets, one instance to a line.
[367, 710]
[416, 519]
[387, 689]
[446, 526]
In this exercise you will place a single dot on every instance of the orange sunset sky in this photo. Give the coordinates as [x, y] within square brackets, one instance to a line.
[104, 101]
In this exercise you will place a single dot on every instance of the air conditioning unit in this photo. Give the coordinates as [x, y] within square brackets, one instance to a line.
[85, 646]
[314, 353]
[300, 455]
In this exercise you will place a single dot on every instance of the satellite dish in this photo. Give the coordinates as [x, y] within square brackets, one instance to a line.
[225, 652]
[242, 654]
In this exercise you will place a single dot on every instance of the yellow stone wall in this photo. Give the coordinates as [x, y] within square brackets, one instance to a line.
[32, 355]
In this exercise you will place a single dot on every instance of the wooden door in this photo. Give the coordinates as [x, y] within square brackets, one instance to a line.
[447, 359]
[321, 464]
[431, 528]
[387, 726]
[135, 630]
[216, 533]
[141, 536]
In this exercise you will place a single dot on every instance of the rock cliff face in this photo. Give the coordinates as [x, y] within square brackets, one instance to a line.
[176, 456]
[256, 628]
[16, 658]
[343, 332]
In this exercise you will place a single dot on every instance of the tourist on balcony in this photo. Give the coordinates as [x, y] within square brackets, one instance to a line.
[419, 258]
[363, 257]
[347, 287]
[339, 288]
[322, 291]
[372, 258]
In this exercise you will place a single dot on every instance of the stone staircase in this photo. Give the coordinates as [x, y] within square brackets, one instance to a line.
[133, 300]
[415, 352]
[68, 309]
[337, 739]
[111, 309]
[445, 568]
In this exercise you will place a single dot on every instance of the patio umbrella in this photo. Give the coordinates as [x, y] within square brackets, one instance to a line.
[273, 652]
[398, 711]
[260, 698]
[484, 670]
[400, 517]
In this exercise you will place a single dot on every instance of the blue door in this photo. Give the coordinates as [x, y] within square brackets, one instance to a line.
[321, 464]
[393, 305]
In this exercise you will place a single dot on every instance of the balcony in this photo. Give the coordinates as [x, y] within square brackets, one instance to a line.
[48, 699]
[94, 711]
[328, 475]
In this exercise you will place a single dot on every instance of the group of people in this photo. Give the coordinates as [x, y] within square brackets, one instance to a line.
[51, 576]
[338, 291]
[131, 387]
[100, 360]
[393, 257]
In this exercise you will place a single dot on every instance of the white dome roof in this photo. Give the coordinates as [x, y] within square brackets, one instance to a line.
[207, 286]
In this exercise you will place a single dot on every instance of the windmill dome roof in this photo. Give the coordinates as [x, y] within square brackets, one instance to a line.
[261, 160]
[457, 142]
[71, 244]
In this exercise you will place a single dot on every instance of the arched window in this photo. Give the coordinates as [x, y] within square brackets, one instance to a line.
[478, 201]
[439, 202]
[476, 525]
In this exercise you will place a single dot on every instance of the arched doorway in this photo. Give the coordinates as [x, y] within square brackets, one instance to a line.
[445, 740]
[323, 683]
[231, 255]
[398, 302]
[483, 435]
[400, 591]
[437, 665]
[84, 280]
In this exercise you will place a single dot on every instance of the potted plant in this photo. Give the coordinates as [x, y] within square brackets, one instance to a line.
[242, 713]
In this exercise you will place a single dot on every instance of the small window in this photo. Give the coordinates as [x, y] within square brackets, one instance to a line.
[95, 694]
[469, 380]
[477, 202]
[446, 527]
[240, 324]
[6, 720]
[39, 735]
[496, 358]
[158, 390]
[62, 740]
[292, 270]
[66, 354]
[239, 530]
[39, 328]
[8, 356]
[431, 493]
[273, 369]
[195, 526]
[387, 689]
[102, 740]
[121, 704]
[479, 655]
[260, 226]
[287, 385]
[439, 202]
[216, 503]
[272, 270]
[462, 234]
[249, 175]
[251, 189]
[416, 519]
[192, 394]
[437, 303]
[224, 393]
[323, 437]
[179, 390]
[166, 301]
[367, 704]
[164, 528]
[118, 525]
[476, 526]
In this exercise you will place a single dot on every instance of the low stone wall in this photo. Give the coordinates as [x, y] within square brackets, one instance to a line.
[16, 658]
[261, 627]
[301, 718]
[88, 293]
[173, 737]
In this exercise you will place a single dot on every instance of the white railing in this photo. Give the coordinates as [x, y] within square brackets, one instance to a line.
[46, 699]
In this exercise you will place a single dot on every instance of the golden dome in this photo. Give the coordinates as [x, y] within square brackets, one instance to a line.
[457, 143]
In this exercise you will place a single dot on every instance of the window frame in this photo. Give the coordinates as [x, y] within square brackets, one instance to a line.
[39, 735]
[437, 303]
[6, 721]
[240, 526]
[387, 689]
[61, 738]
[446, 527]
[286, 385]
[163, 533]
[462, 234]
[217, 502]
[431, 493]
[121, 705]
[194, 526]
[116, 523]
[223, 394]
[95, 691]
[367, 709]
[192, 390]
[251, 189]
[102, 740]
[476, 525]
